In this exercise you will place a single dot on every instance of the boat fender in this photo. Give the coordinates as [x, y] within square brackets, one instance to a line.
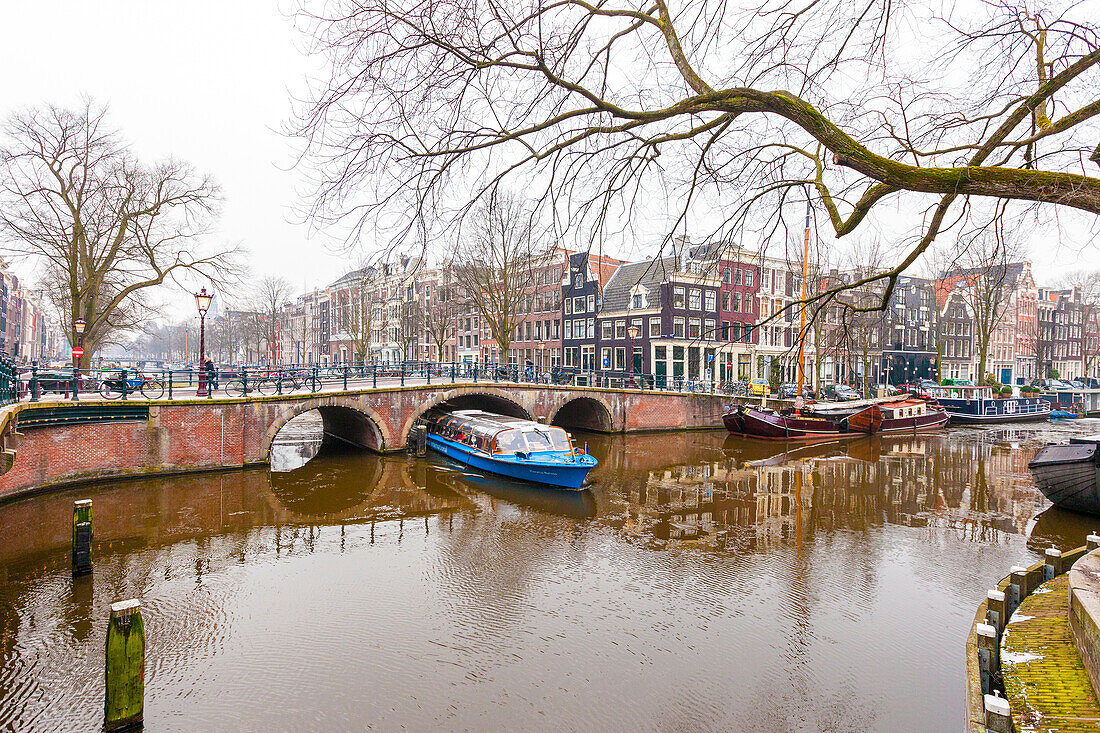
[522, 454]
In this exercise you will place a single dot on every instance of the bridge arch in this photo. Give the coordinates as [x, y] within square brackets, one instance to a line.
[584, 413]
[348, 421]
[470, 399]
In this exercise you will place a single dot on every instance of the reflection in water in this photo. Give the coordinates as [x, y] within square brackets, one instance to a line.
[355, 590]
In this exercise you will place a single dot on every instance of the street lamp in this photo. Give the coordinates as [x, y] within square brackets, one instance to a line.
[78, 327]
[202, 302]
[633, 333]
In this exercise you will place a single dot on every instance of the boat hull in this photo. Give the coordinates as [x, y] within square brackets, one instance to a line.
[996, 410]
[1069, 475]
[561, 474]
[767, 426]
[864, 423]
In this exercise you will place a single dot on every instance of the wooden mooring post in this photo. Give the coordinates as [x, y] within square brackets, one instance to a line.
[82, 537]
[124, 672]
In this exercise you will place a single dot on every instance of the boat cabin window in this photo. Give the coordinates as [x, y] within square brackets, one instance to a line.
[510, 441]
[551, 439]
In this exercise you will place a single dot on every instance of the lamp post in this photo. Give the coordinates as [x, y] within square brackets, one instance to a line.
[78, 353]
[632, 332]
[202, 301]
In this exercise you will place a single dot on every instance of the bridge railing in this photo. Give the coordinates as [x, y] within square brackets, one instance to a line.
[34, 383]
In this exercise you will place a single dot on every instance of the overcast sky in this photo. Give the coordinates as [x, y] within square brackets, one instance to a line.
[206, 82]
[211, 83]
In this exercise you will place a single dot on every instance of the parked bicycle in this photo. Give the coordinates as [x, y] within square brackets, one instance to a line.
[117, 384]
[269, 384]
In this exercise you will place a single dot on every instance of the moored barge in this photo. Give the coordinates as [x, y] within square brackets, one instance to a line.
[508, 446]
[977, 405]
[900, 416]
[1069, 475]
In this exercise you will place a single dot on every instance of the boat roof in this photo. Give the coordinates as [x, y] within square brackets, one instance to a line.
[479, 421]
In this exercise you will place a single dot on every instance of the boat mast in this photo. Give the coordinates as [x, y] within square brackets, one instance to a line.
[802, 310]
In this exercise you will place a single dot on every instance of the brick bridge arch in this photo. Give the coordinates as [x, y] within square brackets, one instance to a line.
[345, 418]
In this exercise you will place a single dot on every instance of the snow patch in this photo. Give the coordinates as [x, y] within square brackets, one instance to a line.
[1019, 617]
[1018, 657]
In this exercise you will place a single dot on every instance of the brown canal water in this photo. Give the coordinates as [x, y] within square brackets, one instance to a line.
[702, 583]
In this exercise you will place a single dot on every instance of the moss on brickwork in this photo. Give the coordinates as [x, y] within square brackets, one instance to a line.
[1046, 684]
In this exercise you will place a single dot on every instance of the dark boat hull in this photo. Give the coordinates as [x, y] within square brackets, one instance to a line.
[767, 426]
[1068, 475]
[996, 410]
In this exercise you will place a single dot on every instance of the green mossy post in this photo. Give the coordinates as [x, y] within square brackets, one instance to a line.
[82, 537]
[124, 702]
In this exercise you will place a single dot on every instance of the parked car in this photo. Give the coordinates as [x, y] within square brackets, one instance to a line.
[1076, 384]
[843, 393]
[889, 389]
[759, 388]
[789, 390]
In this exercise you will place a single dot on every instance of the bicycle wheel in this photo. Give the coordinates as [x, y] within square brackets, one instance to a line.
[108, 392]
[234, 388]
[153, 389]
[267, 385]
[292, 384]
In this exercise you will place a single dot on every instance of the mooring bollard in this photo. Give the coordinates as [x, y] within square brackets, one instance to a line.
[1017, 588]
[987, 653]
[1092, 542]
[124, 671]
[1053, 566]
[82, 537]
[995, 616]
[998, 719]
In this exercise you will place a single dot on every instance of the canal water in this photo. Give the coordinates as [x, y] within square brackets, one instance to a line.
[701, 583]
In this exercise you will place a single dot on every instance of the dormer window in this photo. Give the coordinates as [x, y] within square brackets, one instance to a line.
[636, 301]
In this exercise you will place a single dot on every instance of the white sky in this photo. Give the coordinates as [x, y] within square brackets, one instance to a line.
[210, 83]
[207, 82]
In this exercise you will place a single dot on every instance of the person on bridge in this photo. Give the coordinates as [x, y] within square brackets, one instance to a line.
[211, 374]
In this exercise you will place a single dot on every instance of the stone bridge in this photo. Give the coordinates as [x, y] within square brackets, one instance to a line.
[58, 442]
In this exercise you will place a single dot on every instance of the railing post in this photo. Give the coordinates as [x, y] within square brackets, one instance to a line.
[76, 385]
[244, 380]
[124, 385]
[374, 374]
[34, 383]
[314, 375]
[279, 383]
[429, 372]
[345, 377]
[402, 372]
[452, 372]
[169, 383]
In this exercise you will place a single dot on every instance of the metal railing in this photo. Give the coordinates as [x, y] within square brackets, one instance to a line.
[34, 383]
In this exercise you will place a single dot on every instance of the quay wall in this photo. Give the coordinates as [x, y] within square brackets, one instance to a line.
[189, 435]
[998, 606]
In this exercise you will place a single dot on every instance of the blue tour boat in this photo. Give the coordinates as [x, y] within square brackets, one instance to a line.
[978, 405]
[508, 446]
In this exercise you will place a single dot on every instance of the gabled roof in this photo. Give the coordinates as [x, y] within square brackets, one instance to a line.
[650, 274]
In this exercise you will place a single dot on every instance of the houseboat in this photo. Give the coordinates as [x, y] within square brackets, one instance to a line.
[978, 405]
[901, 416]
[508, 446]
[839, 410]
[771, 425]
[1069, 475]
[1080, 402]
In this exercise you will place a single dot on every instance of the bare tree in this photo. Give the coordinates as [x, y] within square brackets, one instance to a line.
[441, 311]
[355, 313]
[104, 227]
[860, 322]
[607, 111]
[1087, 283]
[496, 264]
[984, 265]
[272, 293]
